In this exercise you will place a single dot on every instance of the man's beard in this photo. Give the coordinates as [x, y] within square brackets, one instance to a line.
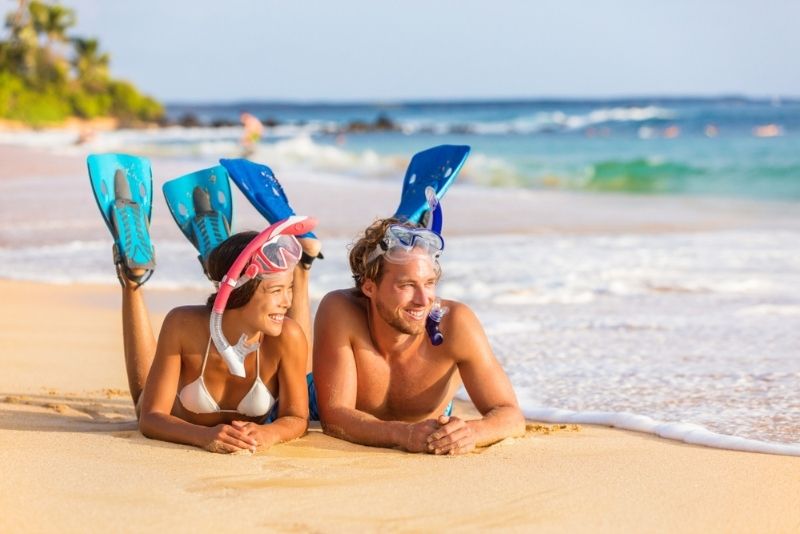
[397, 322]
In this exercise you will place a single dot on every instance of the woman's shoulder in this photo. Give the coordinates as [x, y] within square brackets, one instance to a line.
[291, 343]
[186, 317]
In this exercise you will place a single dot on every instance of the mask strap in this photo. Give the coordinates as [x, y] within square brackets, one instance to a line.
[435, 221]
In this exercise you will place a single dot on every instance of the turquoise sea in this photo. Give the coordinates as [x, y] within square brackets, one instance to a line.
[731, 147]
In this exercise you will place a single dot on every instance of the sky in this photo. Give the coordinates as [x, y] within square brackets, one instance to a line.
[351, 50]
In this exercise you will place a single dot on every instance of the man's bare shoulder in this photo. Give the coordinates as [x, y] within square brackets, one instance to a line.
[462, 330]
[343, 301]
[458, 314]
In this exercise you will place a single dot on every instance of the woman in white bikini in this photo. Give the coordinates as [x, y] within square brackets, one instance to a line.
[192, 387]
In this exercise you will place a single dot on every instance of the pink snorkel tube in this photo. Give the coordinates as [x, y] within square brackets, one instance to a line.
[254, 262]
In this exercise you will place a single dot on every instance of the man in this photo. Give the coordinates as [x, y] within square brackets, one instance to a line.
[379, 379]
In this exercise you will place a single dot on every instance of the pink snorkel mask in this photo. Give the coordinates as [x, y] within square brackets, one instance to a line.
[275, 250]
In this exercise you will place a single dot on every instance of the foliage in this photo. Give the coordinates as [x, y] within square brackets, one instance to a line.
[47, 76]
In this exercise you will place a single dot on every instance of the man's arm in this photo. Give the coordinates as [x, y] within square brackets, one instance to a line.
[335, 378]
[487, 385]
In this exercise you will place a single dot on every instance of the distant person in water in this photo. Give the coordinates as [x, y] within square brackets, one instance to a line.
[379, 380]
[253, 129]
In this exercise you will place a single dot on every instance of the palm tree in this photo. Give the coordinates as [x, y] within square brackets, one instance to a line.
[52, 21]
[19, 52]
[90, 65]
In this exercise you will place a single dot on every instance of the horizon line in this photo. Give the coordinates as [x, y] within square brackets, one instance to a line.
[482, 100]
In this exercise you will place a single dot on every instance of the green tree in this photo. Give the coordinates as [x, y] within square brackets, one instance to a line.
[46, 77]
[90, 65]
[18, 55]
[51, 22]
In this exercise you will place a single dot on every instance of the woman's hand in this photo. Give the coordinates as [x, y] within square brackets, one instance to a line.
[226, 439]
[261, 435]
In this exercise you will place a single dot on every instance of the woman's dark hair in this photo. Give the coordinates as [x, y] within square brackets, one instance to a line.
[220, 261]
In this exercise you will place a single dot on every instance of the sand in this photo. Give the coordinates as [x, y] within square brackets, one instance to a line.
[71, 458]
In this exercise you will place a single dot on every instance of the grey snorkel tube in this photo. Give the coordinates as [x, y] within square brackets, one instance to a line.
[437, 310]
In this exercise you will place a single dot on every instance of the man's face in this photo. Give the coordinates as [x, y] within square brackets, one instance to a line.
[406, 293]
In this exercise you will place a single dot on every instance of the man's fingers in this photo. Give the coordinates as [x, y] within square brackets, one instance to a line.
[462, 440]
[450, 438]
[462, 446]
[453, 424]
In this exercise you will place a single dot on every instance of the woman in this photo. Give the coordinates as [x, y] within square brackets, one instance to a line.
[183, 390]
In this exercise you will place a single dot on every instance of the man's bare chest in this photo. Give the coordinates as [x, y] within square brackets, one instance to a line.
[402, 387]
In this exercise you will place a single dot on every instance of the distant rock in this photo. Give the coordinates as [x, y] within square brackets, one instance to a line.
[382, 124]
[189, 120]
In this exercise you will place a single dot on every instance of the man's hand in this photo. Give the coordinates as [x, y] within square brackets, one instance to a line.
[454, 436]
[418, 435]
[227, 439]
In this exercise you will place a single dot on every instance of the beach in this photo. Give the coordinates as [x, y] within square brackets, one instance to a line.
[72, 458]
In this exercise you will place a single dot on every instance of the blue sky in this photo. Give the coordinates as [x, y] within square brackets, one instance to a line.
[228, 50]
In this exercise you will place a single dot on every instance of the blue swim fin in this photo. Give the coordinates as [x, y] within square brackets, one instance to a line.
[123, 188]
[261, 188]
[436, 167]
[202, 206]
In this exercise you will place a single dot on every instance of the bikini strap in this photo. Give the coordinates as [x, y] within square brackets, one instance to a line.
[205, 358]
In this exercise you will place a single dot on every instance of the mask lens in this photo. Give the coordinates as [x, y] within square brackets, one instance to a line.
[413, 237]
[405, 243]
[281, 253]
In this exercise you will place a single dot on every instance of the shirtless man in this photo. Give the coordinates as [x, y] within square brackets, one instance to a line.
[379, 379]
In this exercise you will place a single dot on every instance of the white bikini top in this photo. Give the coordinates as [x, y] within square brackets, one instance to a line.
[256, 403]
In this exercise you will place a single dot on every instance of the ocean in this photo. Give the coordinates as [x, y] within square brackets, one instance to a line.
[693, 335]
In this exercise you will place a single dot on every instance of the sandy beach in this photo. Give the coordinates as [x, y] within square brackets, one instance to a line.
[72, 459]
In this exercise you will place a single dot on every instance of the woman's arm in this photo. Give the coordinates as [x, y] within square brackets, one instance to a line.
[156, 421]
[292, 421]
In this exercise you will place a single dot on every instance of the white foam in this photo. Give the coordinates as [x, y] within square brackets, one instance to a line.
[770, 309]
[559, 120]
[685, 432]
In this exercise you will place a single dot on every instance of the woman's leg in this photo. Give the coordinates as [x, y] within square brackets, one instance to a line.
[138, 339]
[301, 308]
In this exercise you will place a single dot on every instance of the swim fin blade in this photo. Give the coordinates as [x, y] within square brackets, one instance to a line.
[258, 183]
[202, 206]
[435, 167]
[123, 188]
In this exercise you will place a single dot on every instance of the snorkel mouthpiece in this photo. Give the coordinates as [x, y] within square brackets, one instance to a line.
[432, 322]
[274, 250]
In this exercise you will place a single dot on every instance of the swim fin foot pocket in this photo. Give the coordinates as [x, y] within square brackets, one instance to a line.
[209, 227]
[132, 249]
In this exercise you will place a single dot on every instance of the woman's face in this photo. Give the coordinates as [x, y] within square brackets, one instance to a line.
[270, 302]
